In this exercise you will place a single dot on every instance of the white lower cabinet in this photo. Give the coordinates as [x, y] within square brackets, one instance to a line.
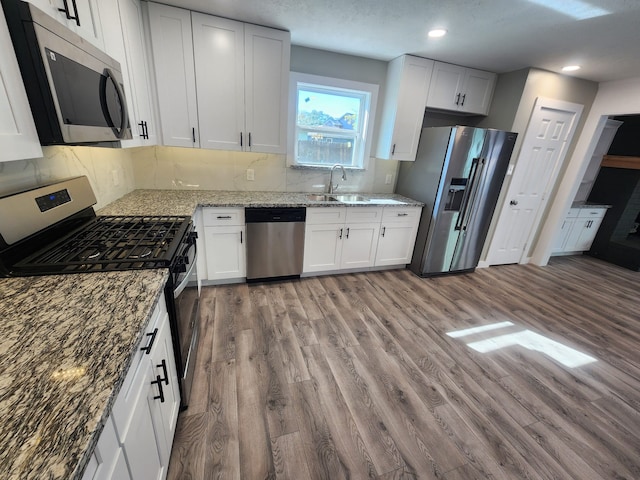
[338, 238]
[579, 229]
[397, 235]
[343, 238]
[225, 245]
[136, 440]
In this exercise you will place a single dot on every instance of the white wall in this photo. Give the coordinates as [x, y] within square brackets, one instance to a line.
[613, 98]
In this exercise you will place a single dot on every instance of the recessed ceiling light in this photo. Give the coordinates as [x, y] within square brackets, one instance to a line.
[571, 68]
[438, 32]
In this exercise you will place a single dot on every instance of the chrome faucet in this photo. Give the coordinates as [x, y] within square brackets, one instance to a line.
[333, 187]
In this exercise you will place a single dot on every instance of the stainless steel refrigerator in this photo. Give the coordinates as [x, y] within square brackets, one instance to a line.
[458, 174]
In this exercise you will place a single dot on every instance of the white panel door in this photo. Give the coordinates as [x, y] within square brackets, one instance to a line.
[322, 247]
[544, 147]
[360, 242]
[445, 87]
[175, 77]
[477, 91]
[395, 245]
[267, 57]
[226, 254]
[218, 46]
[18, 136]
[136, 64]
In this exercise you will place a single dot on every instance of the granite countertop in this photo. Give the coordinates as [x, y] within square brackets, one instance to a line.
[589, 205]
[66, 343]
[184, 202]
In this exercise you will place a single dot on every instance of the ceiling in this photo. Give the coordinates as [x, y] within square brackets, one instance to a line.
[496, 35]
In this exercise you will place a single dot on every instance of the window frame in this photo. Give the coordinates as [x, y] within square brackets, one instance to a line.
[323, 84]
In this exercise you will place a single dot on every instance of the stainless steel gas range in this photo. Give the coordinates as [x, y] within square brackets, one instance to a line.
[53, 229]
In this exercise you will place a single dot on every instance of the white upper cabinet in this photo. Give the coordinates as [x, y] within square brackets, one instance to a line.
[267, 55]
[239, 76]
[172, 46]
[18, 136]
[80, 16]
[407, 85]
[460, 89]
[218, 46]
[123, 29]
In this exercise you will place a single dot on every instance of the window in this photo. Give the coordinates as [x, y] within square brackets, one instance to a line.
[331, 121]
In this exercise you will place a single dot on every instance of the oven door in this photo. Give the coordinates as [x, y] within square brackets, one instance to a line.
[187, 318]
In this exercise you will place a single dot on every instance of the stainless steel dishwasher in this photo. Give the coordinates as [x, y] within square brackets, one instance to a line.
[275, 242]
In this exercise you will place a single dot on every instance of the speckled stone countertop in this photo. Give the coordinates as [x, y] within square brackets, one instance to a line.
[66, 343]
[184, 202]
[589, 205]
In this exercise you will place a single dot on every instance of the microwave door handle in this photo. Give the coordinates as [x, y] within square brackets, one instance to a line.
[123, 104]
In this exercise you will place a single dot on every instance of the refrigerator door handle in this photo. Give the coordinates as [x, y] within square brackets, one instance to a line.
[476, 166]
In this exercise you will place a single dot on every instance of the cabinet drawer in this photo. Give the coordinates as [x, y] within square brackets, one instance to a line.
[123, 406]
[212, 217]
[401, 214]
[592, 212]
[573, 212]
[364, 214]
[325, 215]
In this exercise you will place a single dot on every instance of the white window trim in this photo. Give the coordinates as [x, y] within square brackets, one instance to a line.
[367, 131]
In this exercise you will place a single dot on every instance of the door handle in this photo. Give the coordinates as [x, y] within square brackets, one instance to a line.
[160, 396]
[68, 14]
[513, 202]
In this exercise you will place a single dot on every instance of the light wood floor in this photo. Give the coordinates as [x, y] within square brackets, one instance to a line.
[354, 376]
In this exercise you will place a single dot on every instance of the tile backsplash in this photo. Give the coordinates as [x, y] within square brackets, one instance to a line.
[113, 172]
[177, 168]
[110, 171]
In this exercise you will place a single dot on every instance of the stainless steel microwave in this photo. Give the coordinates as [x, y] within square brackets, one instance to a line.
[74, 89]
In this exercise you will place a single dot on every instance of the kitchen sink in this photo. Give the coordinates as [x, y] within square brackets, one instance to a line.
[321, 198]
[350, 198]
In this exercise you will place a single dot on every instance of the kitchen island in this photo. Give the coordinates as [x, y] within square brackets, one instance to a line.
[66, 343]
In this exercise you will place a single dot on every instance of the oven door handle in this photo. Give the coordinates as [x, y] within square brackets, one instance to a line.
[178, 290]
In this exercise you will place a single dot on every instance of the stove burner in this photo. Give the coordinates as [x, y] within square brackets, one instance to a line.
[144, 252]
[90, 254]
[112, 243]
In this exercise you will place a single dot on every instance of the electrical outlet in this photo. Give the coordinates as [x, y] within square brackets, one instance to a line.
[115, 178]
[250, 174]
[388, 179]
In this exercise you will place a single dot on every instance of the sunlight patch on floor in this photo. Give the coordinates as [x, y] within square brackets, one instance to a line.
[567, 356]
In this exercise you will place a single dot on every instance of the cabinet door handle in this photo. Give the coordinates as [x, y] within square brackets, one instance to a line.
[68, 13]
[393, 149]
[193, 133]
[240, 138]
[160, 396]
[249, 145]
[384, 229]
[147, 349]
[240, 236]
[340, 237]
[145, 131]
[463, 97]
[403, 214]
[163, 365]
[457, 99]
[347, 236]
[224, 217]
